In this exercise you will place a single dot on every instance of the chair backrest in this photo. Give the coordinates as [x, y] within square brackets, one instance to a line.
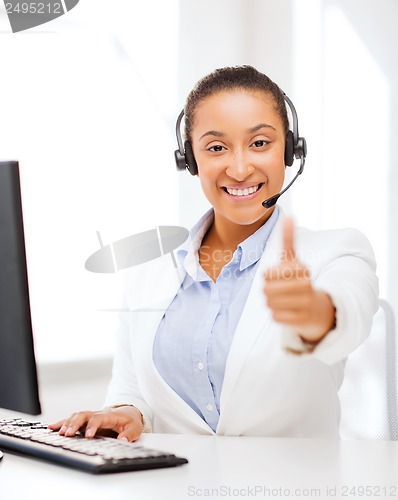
[368, 394]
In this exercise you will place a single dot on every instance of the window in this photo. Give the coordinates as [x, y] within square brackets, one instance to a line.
[84, 111]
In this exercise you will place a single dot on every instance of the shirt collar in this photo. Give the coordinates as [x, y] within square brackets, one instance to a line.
[252, 248]
[247, 253]
[188, 252]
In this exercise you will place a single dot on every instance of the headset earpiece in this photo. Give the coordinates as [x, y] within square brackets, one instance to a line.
[183, 156]
[289, 149]
[190, 158]
[181, 164]
[300, 150]
[186, 160]
[296, 146]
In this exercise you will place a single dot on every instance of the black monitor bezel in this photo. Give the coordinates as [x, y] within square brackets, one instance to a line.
[18, 372]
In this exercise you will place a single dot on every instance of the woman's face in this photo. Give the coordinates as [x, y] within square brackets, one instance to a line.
[238, 141]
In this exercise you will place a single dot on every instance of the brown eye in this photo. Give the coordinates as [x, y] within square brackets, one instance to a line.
[260, 143]
[216, 149]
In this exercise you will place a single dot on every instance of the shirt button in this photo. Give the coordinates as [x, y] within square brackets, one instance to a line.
[209, 407]
[200, 366]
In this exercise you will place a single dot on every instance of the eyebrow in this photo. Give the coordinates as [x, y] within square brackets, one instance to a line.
[251, 130]
[212, 132]
[260, 126]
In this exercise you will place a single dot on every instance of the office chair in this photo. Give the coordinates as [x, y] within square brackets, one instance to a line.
[368, 394]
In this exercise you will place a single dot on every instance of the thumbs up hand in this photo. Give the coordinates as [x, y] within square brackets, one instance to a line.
[292, 298]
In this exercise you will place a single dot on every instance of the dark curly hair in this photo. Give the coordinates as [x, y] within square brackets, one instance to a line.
[235, 77]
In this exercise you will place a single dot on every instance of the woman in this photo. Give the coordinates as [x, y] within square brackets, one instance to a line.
[251, 335]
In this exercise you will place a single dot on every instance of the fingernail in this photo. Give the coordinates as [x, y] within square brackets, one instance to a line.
[89, 433]
[124, 439]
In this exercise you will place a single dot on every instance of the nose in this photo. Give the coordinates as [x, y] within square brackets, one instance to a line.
[239, 167]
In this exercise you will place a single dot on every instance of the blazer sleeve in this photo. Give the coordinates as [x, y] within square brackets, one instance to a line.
[124, 387]
[342, 264]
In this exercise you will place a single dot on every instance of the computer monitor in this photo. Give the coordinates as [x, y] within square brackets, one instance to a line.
[18, 375]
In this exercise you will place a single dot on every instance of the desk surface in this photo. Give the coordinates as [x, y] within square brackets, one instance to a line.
[220, 466]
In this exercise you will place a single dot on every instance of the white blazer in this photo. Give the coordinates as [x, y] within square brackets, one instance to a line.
[267, 390]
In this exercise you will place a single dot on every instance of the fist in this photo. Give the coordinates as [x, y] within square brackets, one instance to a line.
[292, 298]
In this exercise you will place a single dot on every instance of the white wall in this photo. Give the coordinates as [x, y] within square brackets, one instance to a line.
[74, 386]
[85, 108]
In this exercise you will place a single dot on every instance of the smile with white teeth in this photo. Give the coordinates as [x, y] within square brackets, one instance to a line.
[242, 192]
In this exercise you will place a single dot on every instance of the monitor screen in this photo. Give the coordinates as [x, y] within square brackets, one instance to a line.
[18, 377]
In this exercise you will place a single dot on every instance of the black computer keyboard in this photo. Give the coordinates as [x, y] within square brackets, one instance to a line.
[97, 455]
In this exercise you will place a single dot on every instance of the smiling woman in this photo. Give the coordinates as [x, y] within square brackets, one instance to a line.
[252, 332]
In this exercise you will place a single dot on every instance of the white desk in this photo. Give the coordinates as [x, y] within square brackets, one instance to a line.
[233, 467]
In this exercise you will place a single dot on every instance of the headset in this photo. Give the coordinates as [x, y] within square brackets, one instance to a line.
[295, 148]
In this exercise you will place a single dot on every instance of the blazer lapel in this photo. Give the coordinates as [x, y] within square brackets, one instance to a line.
[156, 391]
[254, 318]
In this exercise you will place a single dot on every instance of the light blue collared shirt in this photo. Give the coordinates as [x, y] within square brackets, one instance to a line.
[194, 337]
